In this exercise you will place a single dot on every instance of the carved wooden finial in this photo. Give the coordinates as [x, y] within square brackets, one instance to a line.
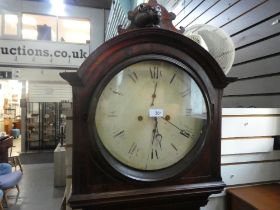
[150, 14]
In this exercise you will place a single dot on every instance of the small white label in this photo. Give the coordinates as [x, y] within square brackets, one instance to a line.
[155, 112]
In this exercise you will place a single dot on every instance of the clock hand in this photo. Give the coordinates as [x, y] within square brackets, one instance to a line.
[183, 132]
[153, 139]
[154, 95]
[159, 138]
[156, 135]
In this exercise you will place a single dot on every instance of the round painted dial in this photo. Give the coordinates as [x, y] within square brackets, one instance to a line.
[150, 115]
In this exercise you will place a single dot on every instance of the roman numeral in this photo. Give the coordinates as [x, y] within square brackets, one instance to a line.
[185, 133]
[172, 78]
[188, 111]
[118, 133]
[184, 93]
[174, 147]
[154, 154]
[112, 114]
[133, 76]
[116, 92]
[132, 149]
[155, 72]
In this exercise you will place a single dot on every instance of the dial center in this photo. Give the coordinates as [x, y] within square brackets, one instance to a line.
[140, 118]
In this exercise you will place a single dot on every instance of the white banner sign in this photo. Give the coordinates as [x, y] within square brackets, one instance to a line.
[42, 53]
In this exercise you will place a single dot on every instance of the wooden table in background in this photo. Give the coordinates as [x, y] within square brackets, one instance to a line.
[5, 144]
[8, 125]
[259, 197]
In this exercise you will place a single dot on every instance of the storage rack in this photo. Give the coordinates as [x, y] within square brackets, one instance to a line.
[43, 123]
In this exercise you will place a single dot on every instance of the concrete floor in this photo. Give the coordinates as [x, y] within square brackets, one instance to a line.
[37, 190]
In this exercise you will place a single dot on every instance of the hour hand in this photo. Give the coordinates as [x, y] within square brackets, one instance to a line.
[154, 95]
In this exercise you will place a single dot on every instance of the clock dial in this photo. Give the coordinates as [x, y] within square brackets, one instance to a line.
[150, 115]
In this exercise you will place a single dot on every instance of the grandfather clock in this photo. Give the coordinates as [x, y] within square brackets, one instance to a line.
[147, 119]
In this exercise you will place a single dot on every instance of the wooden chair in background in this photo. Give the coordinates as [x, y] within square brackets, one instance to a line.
[1, 198]
[14, 160]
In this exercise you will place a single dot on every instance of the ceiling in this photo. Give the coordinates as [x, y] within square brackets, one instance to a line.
[102, 4]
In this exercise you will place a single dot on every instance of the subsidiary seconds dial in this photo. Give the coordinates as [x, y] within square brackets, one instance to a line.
[150, 115]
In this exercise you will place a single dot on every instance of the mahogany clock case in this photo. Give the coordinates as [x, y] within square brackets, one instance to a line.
[95, 182]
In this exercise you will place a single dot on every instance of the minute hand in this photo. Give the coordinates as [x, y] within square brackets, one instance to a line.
[183, 132]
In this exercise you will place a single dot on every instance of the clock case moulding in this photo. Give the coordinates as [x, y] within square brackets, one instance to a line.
[96, 185]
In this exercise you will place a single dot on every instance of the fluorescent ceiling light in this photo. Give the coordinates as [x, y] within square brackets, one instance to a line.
[57, 7]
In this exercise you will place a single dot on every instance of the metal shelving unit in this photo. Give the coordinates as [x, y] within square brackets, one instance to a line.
[43, 124]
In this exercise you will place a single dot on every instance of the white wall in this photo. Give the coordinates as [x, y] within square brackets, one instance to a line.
[38, 74]
[44, 85]
[247, 149]
[49, 92]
